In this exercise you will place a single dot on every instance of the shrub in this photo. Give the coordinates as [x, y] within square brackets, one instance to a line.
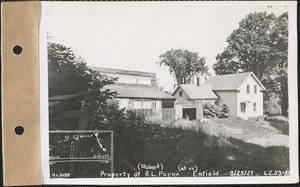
[212, 110]
[279, 122]
[272, 106]
[184, 124]
[224, 111]
[277, 118]
[156, 120]
[128, 127]
[69, 74]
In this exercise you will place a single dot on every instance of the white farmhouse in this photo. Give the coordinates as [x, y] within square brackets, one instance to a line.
[242, 93]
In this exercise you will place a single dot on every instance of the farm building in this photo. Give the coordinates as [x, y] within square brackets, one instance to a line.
[141, 97]
[242, 93]
[190, 100]
[137, 91]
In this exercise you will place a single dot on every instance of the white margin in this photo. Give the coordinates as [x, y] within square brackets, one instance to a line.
[293, 108]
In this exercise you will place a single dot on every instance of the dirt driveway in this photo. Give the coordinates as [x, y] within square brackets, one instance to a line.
[256, 132]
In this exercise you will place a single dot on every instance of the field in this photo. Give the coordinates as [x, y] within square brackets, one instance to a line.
[218, 144]
[257, 132]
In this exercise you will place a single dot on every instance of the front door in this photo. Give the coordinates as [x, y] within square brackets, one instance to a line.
[243, 107]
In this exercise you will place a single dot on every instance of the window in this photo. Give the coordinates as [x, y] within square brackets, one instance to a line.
[154, 105]
[157, 104]
[243, 107]
[180, 93]
[248, 89]
[254, 107]
[147, 104]
[255, 89]
[137, 104]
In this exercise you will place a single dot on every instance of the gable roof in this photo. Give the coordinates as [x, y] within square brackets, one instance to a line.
[138, 92]
[231, 81]
[197, 92]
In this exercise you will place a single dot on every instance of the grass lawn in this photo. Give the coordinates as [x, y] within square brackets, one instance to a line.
[280, 123]
[220, 144]
[257, 132]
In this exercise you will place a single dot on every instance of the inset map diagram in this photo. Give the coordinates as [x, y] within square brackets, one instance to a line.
[69, 145]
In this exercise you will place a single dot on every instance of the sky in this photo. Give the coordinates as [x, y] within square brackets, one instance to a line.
[132, 35]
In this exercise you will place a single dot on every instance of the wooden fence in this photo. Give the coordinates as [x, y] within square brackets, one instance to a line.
[167, 114]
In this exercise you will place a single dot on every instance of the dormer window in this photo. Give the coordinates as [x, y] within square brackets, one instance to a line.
[248, 89]
[255, 89]
[180, 93]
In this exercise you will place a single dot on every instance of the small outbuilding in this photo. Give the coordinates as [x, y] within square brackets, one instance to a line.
[190, 98]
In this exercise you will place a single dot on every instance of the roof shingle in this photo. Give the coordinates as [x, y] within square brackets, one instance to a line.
[226, 82]
[197, 92]
[138, 91]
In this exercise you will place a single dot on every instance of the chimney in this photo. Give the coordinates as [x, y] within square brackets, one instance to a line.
[198, 81]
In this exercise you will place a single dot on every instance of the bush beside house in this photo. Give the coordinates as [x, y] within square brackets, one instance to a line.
[211, 110]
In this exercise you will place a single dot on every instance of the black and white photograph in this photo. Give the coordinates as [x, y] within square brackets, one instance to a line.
[167, 92]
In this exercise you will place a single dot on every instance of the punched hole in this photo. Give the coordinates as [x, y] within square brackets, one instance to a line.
[19, 130]
[17, 49]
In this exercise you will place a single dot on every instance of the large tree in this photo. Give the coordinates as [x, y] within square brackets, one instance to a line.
[69, 75]
[259, 45]
[183, 65]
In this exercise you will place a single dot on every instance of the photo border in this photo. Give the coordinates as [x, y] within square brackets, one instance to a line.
[293, 116]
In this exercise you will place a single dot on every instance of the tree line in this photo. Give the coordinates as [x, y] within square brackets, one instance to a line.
[259, 45]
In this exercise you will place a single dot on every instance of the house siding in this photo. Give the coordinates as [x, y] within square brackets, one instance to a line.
[251, 97]
[141, 103]
[183, 98]
[230, 99]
